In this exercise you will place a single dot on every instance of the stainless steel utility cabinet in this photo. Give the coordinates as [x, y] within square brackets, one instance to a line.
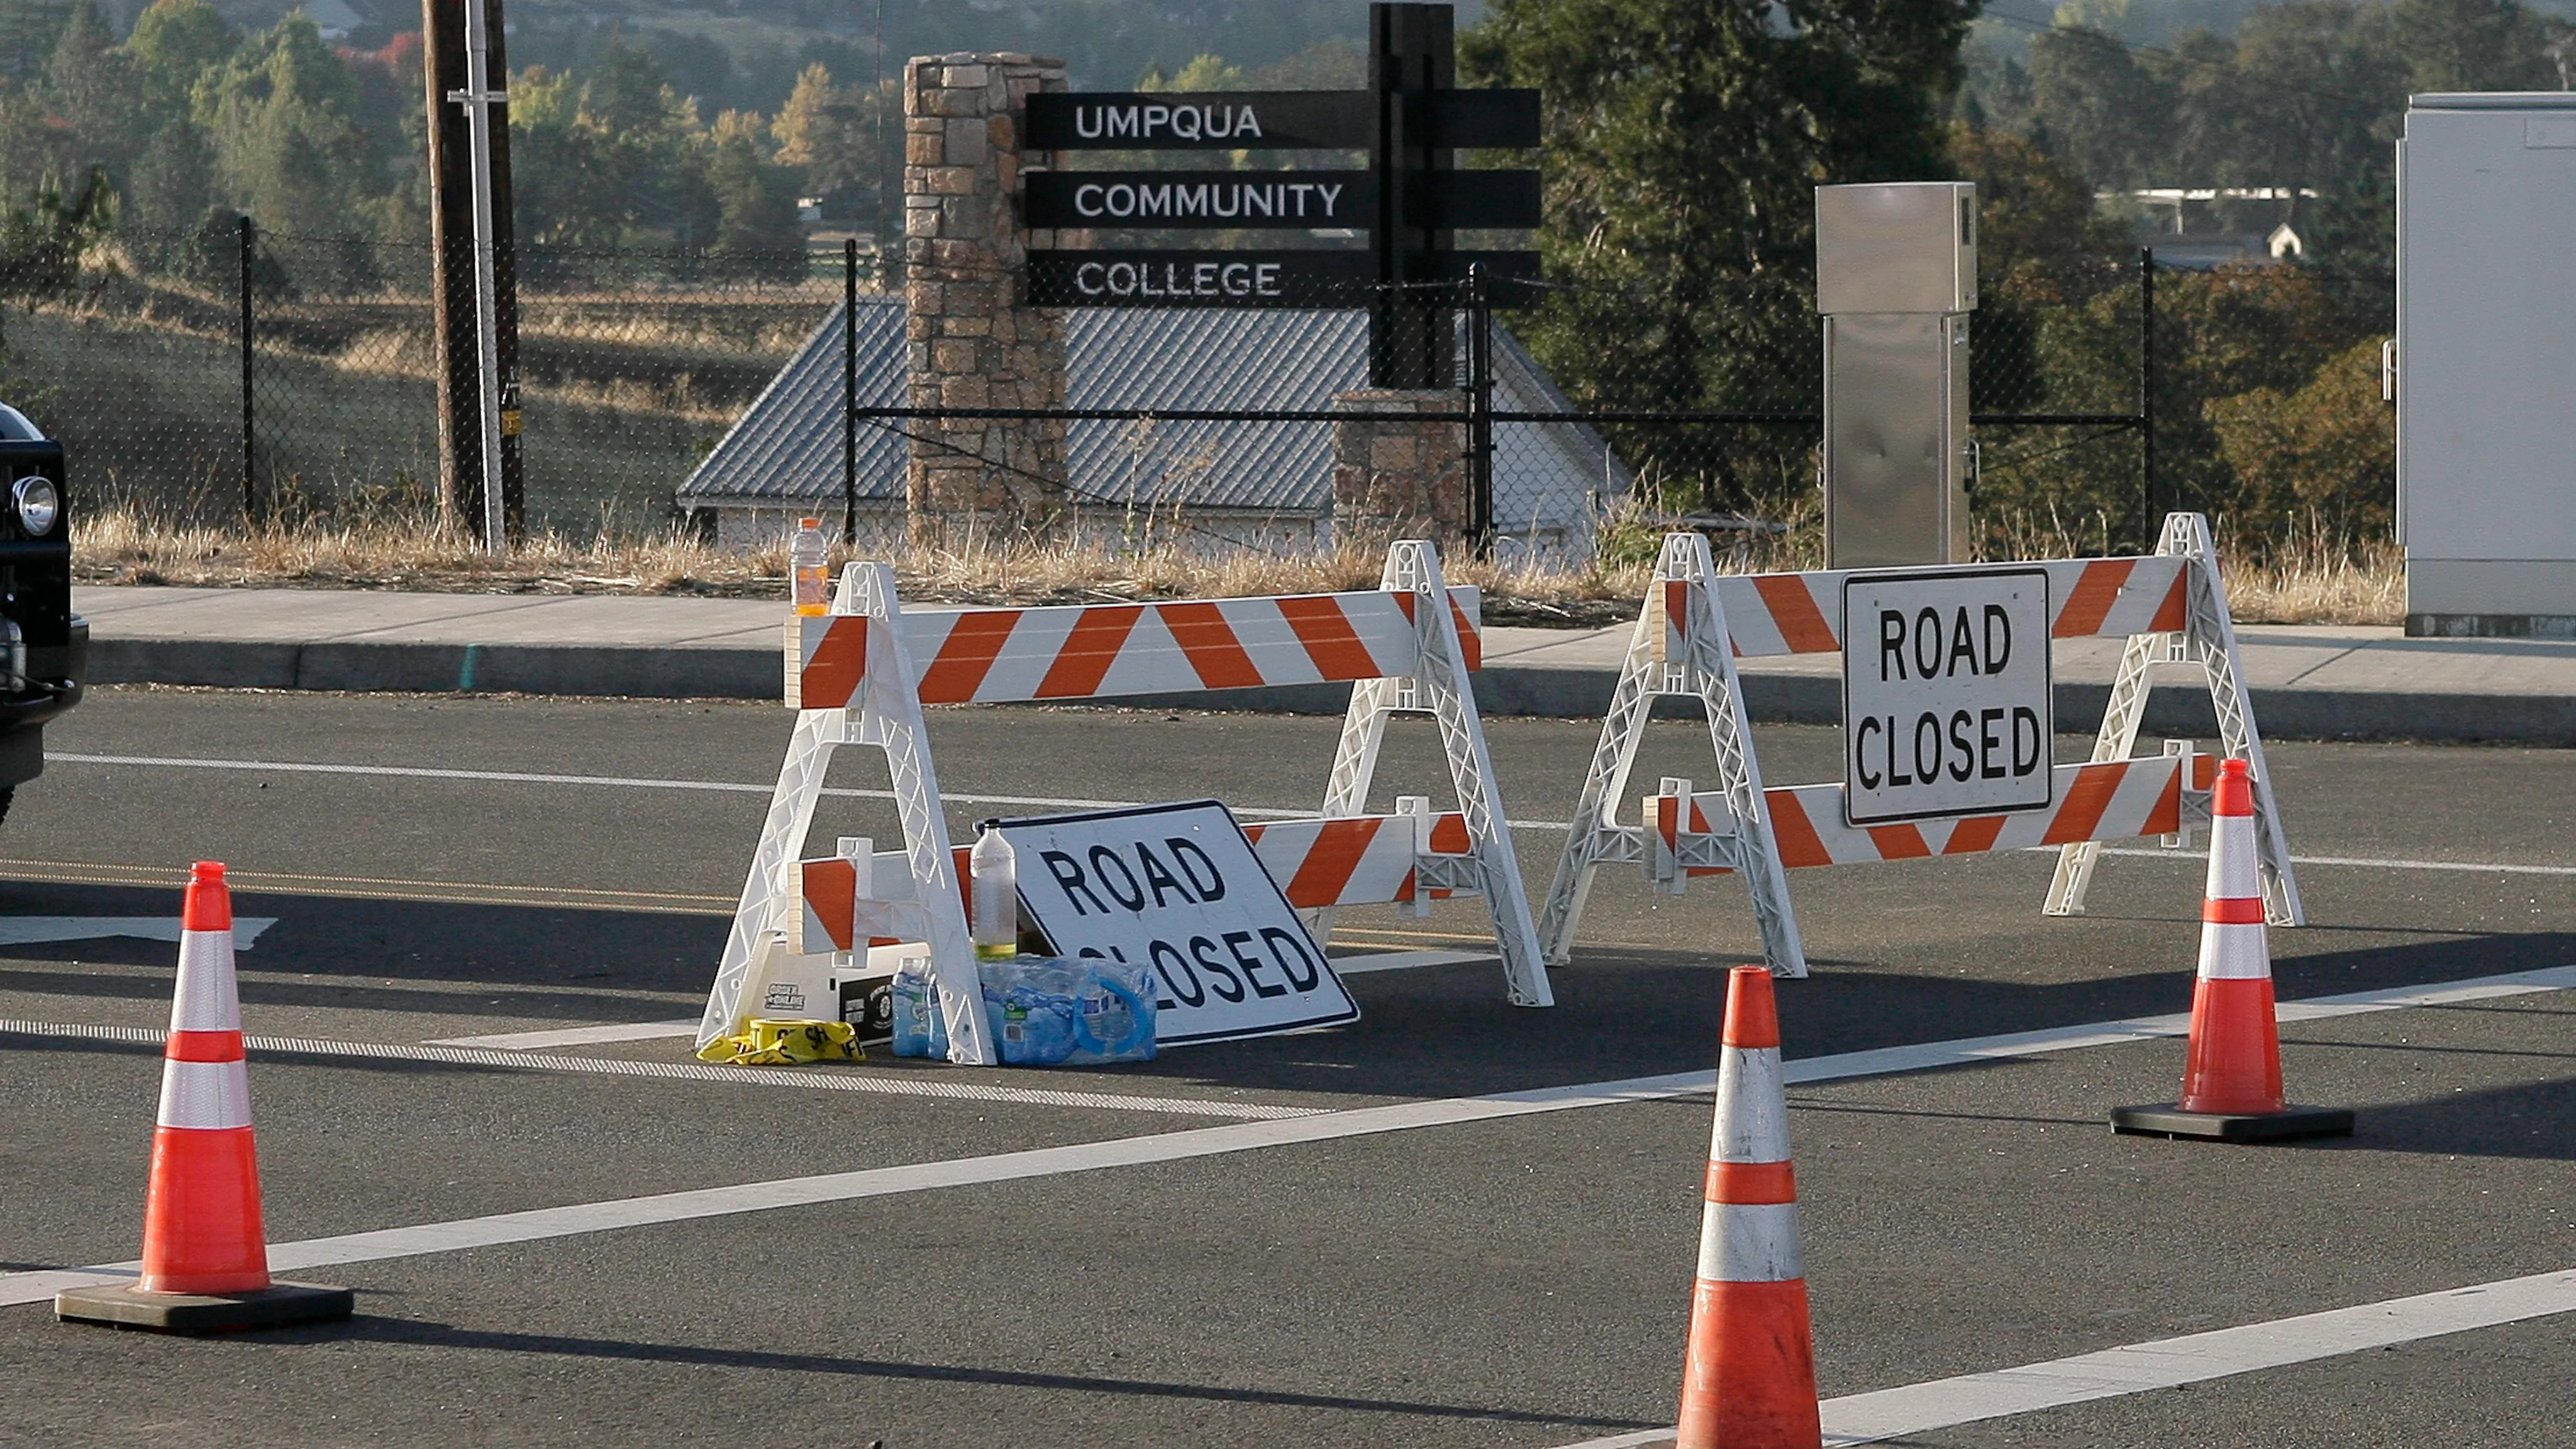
[1896, 276]
[2486, 349]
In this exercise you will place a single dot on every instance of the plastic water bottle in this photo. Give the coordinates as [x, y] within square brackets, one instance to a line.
[919, 1028]
[809, 560]
[995, 872]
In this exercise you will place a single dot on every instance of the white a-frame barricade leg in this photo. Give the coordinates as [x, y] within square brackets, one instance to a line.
[2208, 639]
[2170, 608]
[862, 675]
[1681, 647]
[854, 669]
[1439, 685]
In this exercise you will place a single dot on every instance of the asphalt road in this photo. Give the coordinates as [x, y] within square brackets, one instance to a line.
[1486, 1280]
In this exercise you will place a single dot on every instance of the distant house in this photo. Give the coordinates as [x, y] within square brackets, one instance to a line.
[1210, 485]
[2200, 227]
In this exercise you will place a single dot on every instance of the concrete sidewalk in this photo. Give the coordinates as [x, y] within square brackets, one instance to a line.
[2309, 681]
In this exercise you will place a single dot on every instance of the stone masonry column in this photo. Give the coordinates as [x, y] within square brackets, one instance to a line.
[1397, 478]
[972, 345]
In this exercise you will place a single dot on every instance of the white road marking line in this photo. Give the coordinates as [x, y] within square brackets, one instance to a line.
[1280, 1131]
[930, 1084]
[728, 787]
[580, 1218]
[1404, 961]
[29, 930]
[521, 777]
[520, 1041]
[515, 777]
[2474, 867]
[2166, 1363]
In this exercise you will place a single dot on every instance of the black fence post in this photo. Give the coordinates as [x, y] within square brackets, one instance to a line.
[2150, 525]
[850, 390]
[1480, 414]
[249, 473]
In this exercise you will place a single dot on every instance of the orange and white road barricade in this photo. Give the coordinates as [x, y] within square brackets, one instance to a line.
[861, 675]
[205, 1254]
[2169, 606]
[1749, 1373]
[2231, 1085]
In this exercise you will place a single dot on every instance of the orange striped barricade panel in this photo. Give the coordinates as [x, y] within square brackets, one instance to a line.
[1105, 651]
[2167, 605]
[1767, 615]
[2158, 795]
[862, 674]
[1410, 858]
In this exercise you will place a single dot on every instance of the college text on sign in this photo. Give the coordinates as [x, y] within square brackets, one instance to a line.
[1178, 887]
[1246, 278]
[1946, 703]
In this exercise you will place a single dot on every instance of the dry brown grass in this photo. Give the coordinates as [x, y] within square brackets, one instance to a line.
[2320, 580]
[2309, 583]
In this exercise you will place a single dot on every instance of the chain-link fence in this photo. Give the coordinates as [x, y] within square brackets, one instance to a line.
[198, 381]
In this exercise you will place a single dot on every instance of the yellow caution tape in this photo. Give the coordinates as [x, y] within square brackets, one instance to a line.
[767, 1043]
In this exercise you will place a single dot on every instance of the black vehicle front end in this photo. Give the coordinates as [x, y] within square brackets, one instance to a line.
[44, 646]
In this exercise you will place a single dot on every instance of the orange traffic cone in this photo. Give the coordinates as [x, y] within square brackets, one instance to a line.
[2231, 1086]
[205, 1257]
[1749, 1376]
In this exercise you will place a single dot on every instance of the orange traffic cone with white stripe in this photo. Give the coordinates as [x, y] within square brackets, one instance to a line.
[2231, 1085]
[1749, 1375]
[205, 1256]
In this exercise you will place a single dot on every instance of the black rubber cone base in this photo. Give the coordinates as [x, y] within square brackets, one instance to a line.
[274, 1306]
[2233, 1126]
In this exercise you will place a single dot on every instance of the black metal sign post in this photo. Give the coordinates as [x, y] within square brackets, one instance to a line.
[1411, 201]
[1412, 53]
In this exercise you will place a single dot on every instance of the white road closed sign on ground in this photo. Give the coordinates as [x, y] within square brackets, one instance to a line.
[1946, 706]
[1178, 886]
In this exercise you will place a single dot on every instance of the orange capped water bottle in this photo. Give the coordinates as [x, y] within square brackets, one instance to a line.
[809, 565]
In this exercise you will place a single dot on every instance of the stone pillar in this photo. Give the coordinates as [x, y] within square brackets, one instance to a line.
[972, 345]
[1398, 478]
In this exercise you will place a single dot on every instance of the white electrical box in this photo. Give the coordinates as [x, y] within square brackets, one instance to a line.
[1897, 246]
[2485, 355]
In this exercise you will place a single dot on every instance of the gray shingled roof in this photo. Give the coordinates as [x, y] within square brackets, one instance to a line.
[787, 446]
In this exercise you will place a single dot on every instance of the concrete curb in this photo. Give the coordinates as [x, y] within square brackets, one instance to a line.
[1557, 693]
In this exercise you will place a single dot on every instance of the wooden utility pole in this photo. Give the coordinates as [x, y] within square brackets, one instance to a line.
[451, 250]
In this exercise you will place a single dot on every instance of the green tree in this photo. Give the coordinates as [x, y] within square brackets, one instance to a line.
[90, 85]
[610, 157]
[1683, 143]
[756, 218]
[288, 150]
[174, 42]
[173, 181]
[42, 246]
[840, 138]
[2473, 45]
[2327, 448]
[2093, 104]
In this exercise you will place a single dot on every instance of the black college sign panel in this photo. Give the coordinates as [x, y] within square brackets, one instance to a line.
[1317, 279]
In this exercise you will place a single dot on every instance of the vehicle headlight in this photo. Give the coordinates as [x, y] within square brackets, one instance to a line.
[38, 505]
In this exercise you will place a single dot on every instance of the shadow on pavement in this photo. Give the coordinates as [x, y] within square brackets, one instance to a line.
[440, 1335]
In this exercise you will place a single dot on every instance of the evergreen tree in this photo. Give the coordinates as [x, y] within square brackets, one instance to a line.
[288, 151]
[174, 42]
[1684, 141]
[90, 85]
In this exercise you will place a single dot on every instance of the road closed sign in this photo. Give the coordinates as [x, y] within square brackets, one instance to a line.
[1946, 707]
[1178, 887]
